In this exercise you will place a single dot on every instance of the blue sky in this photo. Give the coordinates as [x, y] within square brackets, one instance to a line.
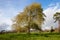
[10, 8]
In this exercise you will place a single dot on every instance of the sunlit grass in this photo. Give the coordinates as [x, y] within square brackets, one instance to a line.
[32, 36]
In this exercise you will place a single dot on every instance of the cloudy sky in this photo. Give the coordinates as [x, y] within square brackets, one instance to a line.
[10, 8]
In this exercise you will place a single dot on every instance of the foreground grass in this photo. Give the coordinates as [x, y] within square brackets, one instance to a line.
[32, 36]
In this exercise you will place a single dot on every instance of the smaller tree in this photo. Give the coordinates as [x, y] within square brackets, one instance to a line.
[57, 18]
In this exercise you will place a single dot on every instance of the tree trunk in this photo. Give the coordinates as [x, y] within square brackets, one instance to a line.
[29, 23]
[28, 30]
[59, 26]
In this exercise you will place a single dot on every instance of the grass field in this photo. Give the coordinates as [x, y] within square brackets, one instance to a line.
[32, 36]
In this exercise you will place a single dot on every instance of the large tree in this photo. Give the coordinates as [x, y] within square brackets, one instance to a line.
[57, 18]
[32, 14]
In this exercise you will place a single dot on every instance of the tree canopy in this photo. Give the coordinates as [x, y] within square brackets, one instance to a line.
[32, 14]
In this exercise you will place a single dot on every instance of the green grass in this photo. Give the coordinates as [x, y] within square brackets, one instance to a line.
[32, 36]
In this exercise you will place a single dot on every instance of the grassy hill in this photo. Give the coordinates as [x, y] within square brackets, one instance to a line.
[32, 36]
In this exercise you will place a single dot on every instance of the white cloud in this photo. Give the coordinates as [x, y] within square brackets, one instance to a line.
[49, 12]
[5, 20]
